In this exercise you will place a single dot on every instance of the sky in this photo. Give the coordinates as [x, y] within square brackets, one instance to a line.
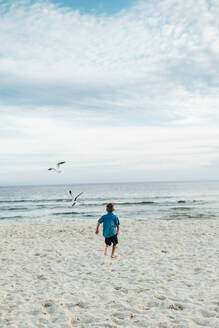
[120, 90]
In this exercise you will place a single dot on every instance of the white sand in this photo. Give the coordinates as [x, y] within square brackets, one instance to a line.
[54, 274]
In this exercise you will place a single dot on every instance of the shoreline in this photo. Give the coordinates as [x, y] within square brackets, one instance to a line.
[54, 274]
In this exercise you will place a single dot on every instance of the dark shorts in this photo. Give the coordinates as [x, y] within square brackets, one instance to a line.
[110, 240]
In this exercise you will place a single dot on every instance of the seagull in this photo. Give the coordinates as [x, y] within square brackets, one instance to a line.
[57, 167]
[75, 199]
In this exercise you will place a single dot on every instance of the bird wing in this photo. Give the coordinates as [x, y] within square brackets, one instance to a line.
[51, 168]
[59, 163]
[78, 195]
[70, 193]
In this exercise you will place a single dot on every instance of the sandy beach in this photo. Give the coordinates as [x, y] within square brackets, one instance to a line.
[54, 274]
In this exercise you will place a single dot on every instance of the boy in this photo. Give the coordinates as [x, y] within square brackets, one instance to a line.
[110, 229]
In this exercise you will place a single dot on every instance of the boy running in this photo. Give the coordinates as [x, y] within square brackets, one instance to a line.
[111, 227]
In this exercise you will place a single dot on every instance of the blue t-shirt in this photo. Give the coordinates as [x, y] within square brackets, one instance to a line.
[110, 222]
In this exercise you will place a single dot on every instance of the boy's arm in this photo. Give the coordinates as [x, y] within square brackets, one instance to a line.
[117, 224]
[101, 220]
[97, 228]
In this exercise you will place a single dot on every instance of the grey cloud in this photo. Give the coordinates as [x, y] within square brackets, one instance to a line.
[61, 58]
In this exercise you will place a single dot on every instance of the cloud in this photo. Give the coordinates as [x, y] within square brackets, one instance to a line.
[104, 153]
[137, 87]
[57, 56]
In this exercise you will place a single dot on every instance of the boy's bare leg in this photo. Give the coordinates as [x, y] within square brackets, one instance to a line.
[113, 251]
[106, 250]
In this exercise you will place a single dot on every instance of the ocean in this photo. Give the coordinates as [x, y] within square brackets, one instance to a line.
[149, 200]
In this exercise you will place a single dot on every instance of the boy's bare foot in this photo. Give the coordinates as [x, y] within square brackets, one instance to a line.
[114, 256]
[113, 252]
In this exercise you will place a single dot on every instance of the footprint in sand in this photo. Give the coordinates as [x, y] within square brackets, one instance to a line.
[144, 307]
[175, 307]
[82, 305]
[49, 306]
[207, 314]
[201, 322]
[119, 315]
[41, 277]
[74, 321]
[160, 297]
[107, 325]
[216, 309]
[121, 289]
[153, 304]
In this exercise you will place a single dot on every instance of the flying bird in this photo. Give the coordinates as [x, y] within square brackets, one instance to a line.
[75, 199]
[57, 167]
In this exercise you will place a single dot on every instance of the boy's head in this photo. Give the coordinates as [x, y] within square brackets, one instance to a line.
[110, 207]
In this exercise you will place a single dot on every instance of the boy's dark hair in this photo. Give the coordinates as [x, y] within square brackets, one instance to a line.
[110, 207]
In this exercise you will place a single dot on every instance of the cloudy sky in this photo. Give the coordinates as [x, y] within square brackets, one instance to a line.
[122, 90]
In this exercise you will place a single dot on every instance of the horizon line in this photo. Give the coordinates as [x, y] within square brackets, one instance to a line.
[114, 182]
